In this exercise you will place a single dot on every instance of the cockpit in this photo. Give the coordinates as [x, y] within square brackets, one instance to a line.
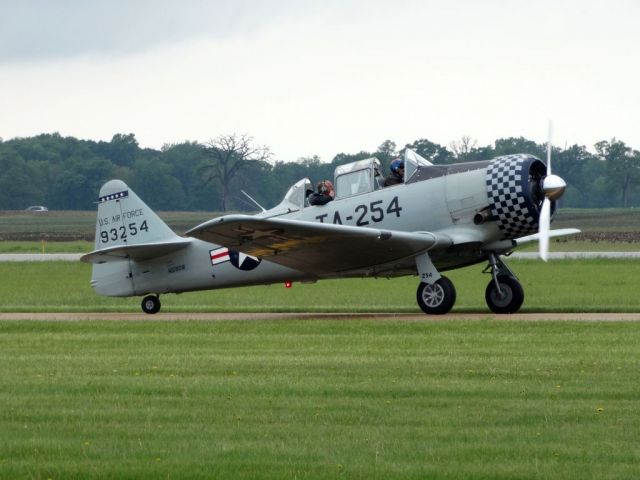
[366, 175]
[359, 177]
[355, 178]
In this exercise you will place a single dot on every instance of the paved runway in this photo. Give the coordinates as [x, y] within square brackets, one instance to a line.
[403, 317]
[40, 257]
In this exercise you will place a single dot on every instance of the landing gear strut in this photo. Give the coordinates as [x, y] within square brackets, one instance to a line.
[151, 304]
[436, 294]
[504, 294]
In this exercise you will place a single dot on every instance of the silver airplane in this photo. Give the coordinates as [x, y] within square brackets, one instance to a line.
[441, 217]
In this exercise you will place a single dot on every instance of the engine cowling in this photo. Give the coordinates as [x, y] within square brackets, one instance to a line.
[514, 187]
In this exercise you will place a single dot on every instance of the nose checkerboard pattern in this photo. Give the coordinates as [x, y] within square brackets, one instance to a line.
[509, 195]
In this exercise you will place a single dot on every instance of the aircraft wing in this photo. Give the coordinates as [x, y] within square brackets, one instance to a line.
[552, 234]
[139, 252]
[315, 247]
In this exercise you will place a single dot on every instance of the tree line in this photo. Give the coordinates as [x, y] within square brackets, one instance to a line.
[65, 173]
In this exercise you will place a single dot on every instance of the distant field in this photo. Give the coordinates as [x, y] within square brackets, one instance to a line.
[598, 225]
[599, 219]
[76, 225]
[319, 399]
[597, 285]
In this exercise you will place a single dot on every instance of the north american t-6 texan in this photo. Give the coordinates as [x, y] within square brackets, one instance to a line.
[438, 218]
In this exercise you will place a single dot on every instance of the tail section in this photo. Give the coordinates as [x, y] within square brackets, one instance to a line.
[126, 230]
[124, 219]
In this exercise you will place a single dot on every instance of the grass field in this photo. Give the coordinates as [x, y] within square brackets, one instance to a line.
[311, 399]
[321, 399]
[598, 285]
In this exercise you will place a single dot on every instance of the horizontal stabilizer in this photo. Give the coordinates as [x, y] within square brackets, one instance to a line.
[138, 252]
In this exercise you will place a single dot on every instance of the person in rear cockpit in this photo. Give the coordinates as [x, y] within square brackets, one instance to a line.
[324, 193]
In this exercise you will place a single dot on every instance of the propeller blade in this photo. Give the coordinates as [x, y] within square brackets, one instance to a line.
[549, 148]
[545, 221]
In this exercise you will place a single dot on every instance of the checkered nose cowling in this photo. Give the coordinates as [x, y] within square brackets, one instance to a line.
[514, 190]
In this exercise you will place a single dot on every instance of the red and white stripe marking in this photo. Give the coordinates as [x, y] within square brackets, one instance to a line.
[219, 255]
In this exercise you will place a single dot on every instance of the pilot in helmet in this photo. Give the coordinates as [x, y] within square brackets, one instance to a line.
[397, 173]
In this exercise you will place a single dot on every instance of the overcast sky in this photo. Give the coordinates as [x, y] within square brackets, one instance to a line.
[321, 77]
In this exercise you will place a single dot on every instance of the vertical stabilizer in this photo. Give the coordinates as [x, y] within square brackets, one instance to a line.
[127, 230]
[124, 219]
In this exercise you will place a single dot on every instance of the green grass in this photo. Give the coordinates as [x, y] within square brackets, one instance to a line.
[598, 285]
[319, 399]
[77, 246]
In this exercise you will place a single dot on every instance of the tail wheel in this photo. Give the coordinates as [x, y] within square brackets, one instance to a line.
[151, 304]
[436, 298]
[510, 297]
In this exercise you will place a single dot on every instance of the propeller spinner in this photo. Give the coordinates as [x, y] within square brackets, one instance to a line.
[552, 187]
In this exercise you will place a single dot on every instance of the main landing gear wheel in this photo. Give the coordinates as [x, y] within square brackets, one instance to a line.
[151, 304]
[437, 298]
[510, 297]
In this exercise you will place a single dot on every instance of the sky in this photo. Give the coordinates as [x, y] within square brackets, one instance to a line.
[321, 77]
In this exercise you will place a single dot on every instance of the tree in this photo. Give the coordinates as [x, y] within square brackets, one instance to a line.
[387, 151]
[577, 167]
[463, 149]
[123, 149]
[228, 155]
[76, 188]
[187, 160]
[342, 158]
[17, 190]
[511, 145]
[67, 173]
[623, 165]
[155, 183]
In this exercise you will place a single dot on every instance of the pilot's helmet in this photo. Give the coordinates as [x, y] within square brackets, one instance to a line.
[396, 164]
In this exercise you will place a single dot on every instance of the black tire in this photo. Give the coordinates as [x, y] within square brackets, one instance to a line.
[150, 304]
[437, 298]
[512, 295]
